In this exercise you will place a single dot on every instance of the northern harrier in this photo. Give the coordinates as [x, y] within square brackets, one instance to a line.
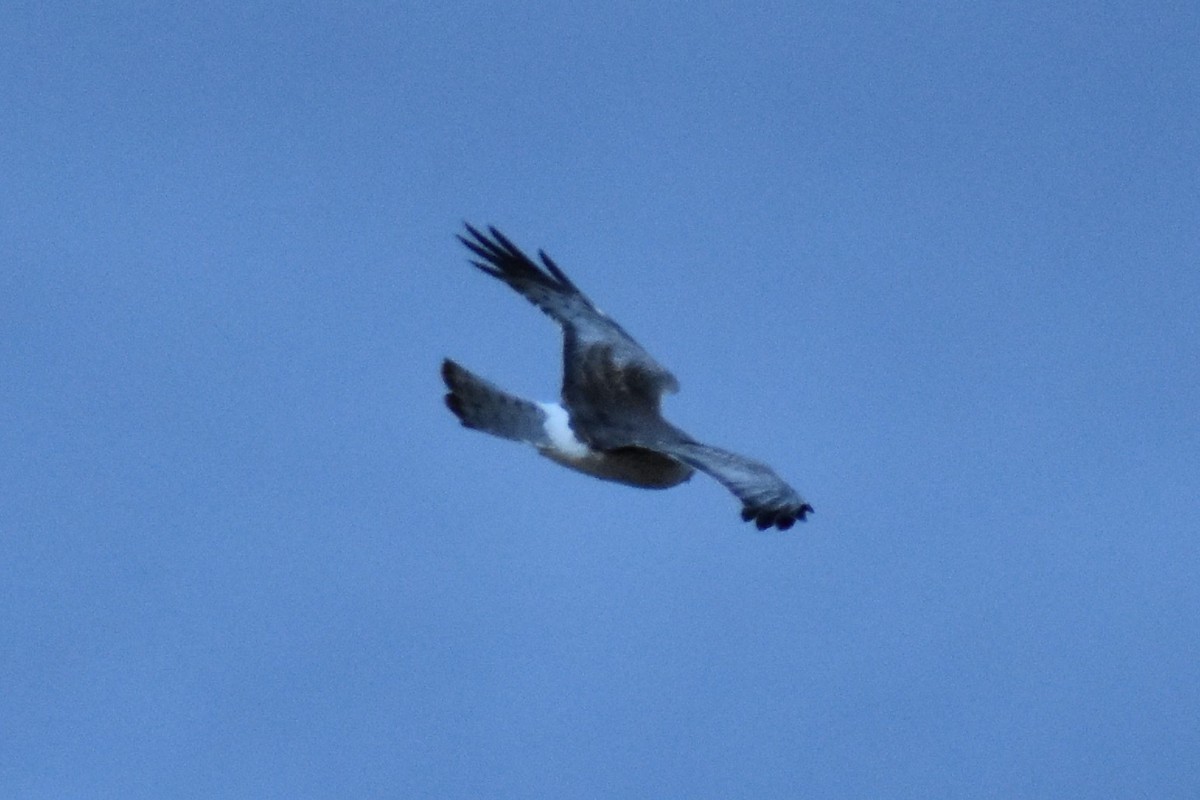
[609, 424]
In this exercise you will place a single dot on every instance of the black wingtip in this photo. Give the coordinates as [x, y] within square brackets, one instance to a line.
[495, 273]
[450, 372]
[556, 271]
[455, 405]
[489, 248]
[452, 376]
[764, 518]
[471, 229]
[500, 237]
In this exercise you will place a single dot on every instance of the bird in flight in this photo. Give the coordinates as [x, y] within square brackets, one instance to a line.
[609, 423]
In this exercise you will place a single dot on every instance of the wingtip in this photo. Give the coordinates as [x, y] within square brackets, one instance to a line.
[452, 375]
[454, 404]
[503, 240]
[764, 518]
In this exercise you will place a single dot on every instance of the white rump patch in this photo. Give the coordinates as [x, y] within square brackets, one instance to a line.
[558, 428]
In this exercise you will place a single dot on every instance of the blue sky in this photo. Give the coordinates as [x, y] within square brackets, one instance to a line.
[935, 262]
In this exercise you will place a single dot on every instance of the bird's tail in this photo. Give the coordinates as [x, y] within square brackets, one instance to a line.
[483, 407]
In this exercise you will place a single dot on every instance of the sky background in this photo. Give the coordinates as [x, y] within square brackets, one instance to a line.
[938, 263]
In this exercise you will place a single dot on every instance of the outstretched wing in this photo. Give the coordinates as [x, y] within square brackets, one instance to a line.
[609, 380]
[765, 497]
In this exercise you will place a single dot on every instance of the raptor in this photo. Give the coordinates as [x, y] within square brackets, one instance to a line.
[609, 423]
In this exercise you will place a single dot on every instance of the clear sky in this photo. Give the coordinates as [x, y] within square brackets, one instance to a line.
[938, 263]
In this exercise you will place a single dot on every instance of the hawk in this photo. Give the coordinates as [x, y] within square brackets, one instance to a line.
[609, 423]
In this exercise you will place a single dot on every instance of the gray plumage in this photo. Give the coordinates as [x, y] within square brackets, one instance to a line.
[484, 407]
[609, 423]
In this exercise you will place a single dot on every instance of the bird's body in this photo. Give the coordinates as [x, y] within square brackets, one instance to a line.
[634, 466]
[609, 424]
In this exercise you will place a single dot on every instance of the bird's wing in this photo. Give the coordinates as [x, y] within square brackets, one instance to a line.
[608, 378]
[766, 498]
